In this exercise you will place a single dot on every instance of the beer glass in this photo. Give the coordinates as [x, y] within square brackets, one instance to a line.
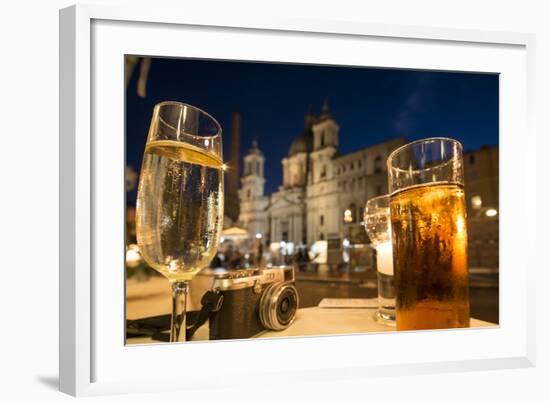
[428, 220]
[378, 227]
[179, 215]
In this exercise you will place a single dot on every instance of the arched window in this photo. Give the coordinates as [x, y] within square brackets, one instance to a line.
[378, 164]
[322, 139]
[284, 231]
[353, 209]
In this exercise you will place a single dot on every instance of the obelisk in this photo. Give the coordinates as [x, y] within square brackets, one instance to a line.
[232, 174]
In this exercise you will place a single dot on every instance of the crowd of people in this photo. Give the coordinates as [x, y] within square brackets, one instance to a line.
[232, 256]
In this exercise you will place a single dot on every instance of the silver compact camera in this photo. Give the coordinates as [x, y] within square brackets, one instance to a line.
[253, 300]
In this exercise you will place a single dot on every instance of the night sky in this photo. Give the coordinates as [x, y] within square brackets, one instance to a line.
[371, 105]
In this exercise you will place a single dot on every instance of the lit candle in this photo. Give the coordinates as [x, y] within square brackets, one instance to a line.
[384, 258]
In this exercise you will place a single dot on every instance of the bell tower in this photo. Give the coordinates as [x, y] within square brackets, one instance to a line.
[326, 130]
[325, 146]
[253, 212]
[253, 180]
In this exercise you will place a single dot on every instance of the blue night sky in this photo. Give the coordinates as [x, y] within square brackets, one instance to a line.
[371, 105]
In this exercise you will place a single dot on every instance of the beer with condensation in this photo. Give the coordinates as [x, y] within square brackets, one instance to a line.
[430, 256]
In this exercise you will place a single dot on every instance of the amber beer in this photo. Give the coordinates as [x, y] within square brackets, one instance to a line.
[430, 260]
[429, 236]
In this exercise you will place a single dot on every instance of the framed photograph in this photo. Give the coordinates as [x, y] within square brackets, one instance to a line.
[341, 199]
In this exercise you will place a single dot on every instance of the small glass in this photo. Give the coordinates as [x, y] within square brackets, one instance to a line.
[179, 215]
[377, 224]
[430, 242]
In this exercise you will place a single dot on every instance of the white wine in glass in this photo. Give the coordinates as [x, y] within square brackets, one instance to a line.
[180, 199]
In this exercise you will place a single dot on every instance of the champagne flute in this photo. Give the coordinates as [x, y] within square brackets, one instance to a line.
[179, 214]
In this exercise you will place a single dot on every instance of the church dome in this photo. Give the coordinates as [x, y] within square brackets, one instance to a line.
[304, 143]
[301, 144]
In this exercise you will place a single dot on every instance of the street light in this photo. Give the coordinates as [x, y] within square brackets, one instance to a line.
[348, 218]
[476, 202]
[133, 256]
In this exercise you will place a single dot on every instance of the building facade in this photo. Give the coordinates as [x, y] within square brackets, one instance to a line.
[323, 192]
[481, 188]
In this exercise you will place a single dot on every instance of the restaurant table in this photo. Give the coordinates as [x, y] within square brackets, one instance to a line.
[152, 298]
[320, 321]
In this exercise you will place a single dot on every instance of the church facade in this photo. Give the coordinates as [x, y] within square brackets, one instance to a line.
[323, 192]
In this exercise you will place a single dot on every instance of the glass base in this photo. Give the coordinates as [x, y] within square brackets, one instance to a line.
[385, 317]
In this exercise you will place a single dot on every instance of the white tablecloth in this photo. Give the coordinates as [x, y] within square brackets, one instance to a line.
[321, 321]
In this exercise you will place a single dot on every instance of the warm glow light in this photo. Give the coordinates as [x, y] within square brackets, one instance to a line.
[476, 201]
[259, 235]
[224, 167]
[133, 257]
[345, 242]
[460, 225]
[347, 216]
[491, 213]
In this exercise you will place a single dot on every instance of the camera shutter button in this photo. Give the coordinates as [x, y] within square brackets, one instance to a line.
[257, 287]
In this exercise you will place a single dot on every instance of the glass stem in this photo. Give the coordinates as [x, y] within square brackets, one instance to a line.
[179, 300]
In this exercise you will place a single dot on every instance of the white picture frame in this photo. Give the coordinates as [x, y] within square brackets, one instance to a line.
[92, 39]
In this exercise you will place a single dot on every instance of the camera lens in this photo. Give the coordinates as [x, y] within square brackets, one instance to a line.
[278, 306]
[284, 306]
[287, 305]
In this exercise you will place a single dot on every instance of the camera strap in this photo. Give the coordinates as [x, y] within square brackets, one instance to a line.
[211, 302]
